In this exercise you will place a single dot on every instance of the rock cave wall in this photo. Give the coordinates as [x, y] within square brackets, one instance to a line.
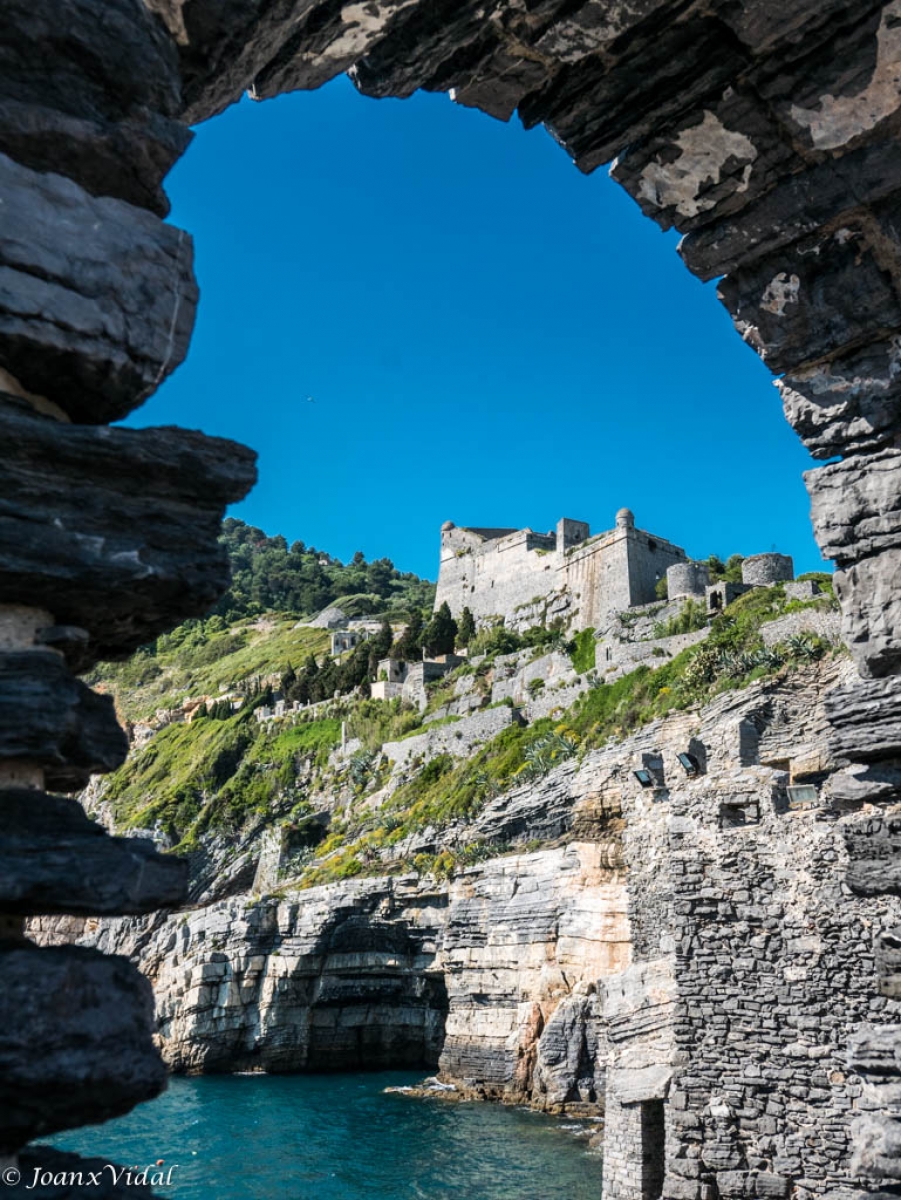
[766, 133]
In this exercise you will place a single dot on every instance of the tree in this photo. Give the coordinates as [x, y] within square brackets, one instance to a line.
[466, 630]
[440, 635]
[408, 648]
[732, 572]
[717, 567]
[379, 647]
[327, 681]
[355, 669]
[301, 689]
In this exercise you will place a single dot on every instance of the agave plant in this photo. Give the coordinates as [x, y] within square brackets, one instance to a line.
[548, 751]
[360, 766]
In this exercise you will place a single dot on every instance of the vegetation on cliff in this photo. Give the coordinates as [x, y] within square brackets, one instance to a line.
[255, 630]
[269, 575]
[227, 774]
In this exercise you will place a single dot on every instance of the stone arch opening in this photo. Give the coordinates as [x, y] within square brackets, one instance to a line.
[766, 134]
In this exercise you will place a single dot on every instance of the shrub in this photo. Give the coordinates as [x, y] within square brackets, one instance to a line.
[691, 617]
[496, 640]
[581, 650]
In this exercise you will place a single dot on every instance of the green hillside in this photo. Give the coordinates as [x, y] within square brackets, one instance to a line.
[256, 631]
[225, 773]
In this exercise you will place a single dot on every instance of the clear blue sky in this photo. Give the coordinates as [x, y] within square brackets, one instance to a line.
[489, 337]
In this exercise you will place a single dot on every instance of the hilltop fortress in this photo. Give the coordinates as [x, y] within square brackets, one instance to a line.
[530, 578]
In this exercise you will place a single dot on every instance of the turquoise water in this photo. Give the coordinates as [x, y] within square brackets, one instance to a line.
[339, 1137]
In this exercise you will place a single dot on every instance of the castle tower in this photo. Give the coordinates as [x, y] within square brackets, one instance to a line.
[571, 533]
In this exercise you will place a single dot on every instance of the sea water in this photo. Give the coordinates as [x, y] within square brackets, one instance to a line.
[342, 1137]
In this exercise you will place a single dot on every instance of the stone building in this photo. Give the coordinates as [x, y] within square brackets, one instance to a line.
[529, 578]
[346, 639]
[407, 681]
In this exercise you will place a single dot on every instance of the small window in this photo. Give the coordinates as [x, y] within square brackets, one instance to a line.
[738, 815]
[645, 778]
[689, 763]
[802, 795]
[652, 545]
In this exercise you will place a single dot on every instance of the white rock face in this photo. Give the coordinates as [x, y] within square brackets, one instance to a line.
[393, 971]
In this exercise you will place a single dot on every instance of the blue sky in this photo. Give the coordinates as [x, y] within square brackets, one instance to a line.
[489, 336]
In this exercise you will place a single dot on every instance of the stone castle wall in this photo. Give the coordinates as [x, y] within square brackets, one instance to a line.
[529, 578]
[495, 578]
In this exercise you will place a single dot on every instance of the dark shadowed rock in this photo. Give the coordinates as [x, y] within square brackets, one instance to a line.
[54, 859]
[736, 231]
[121, 540]
[813, 298]
[105, 115]
[50, 718]
[96, 320]
[75, 1040]
[712, 163]
[849, 405]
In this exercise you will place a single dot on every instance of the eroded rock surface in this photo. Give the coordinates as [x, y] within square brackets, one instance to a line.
[73, 1040]
[765, 132]
[121, 540]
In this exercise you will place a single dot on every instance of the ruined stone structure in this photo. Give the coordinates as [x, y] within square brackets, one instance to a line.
[532, 578]
[766, 133]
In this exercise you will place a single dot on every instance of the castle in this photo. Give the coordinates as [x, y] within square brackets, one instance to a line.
[530, 578]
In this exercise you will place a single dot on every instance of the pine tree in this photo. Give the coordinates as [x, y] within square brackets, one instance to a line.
[440, 634]
[466, 630]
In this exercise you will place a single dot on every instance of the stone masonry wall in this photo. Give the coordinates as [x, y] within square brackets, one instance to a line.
[530, 579]
[458, 738]
[495, 578]
[774, 973]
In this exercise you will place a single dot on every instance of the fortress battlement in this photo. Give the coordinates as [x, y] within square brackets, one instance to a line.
[502, 572]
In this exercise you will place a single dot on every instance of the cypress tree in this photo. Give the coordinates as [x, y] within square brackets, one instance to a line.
[409, 647]
[466, 630]
[440, 634]
[379, 647]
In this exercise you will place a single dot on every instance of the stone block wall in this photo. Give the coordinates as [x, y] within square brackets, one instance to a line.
[822, 621]
[774, 973]
[530, 579]
[496, 576]
[459, 738]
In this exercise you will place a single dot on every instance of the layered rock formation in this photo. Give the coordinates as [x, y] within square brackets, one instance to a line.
[709, 960]
[107, 537]
[767, 133]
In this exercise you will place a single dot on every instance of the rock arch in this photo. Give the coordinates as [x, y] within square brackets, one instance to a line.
[765, 132]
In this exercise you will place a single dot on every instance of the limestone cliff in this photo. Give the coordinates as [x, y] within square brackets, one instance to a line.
[697, 950]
